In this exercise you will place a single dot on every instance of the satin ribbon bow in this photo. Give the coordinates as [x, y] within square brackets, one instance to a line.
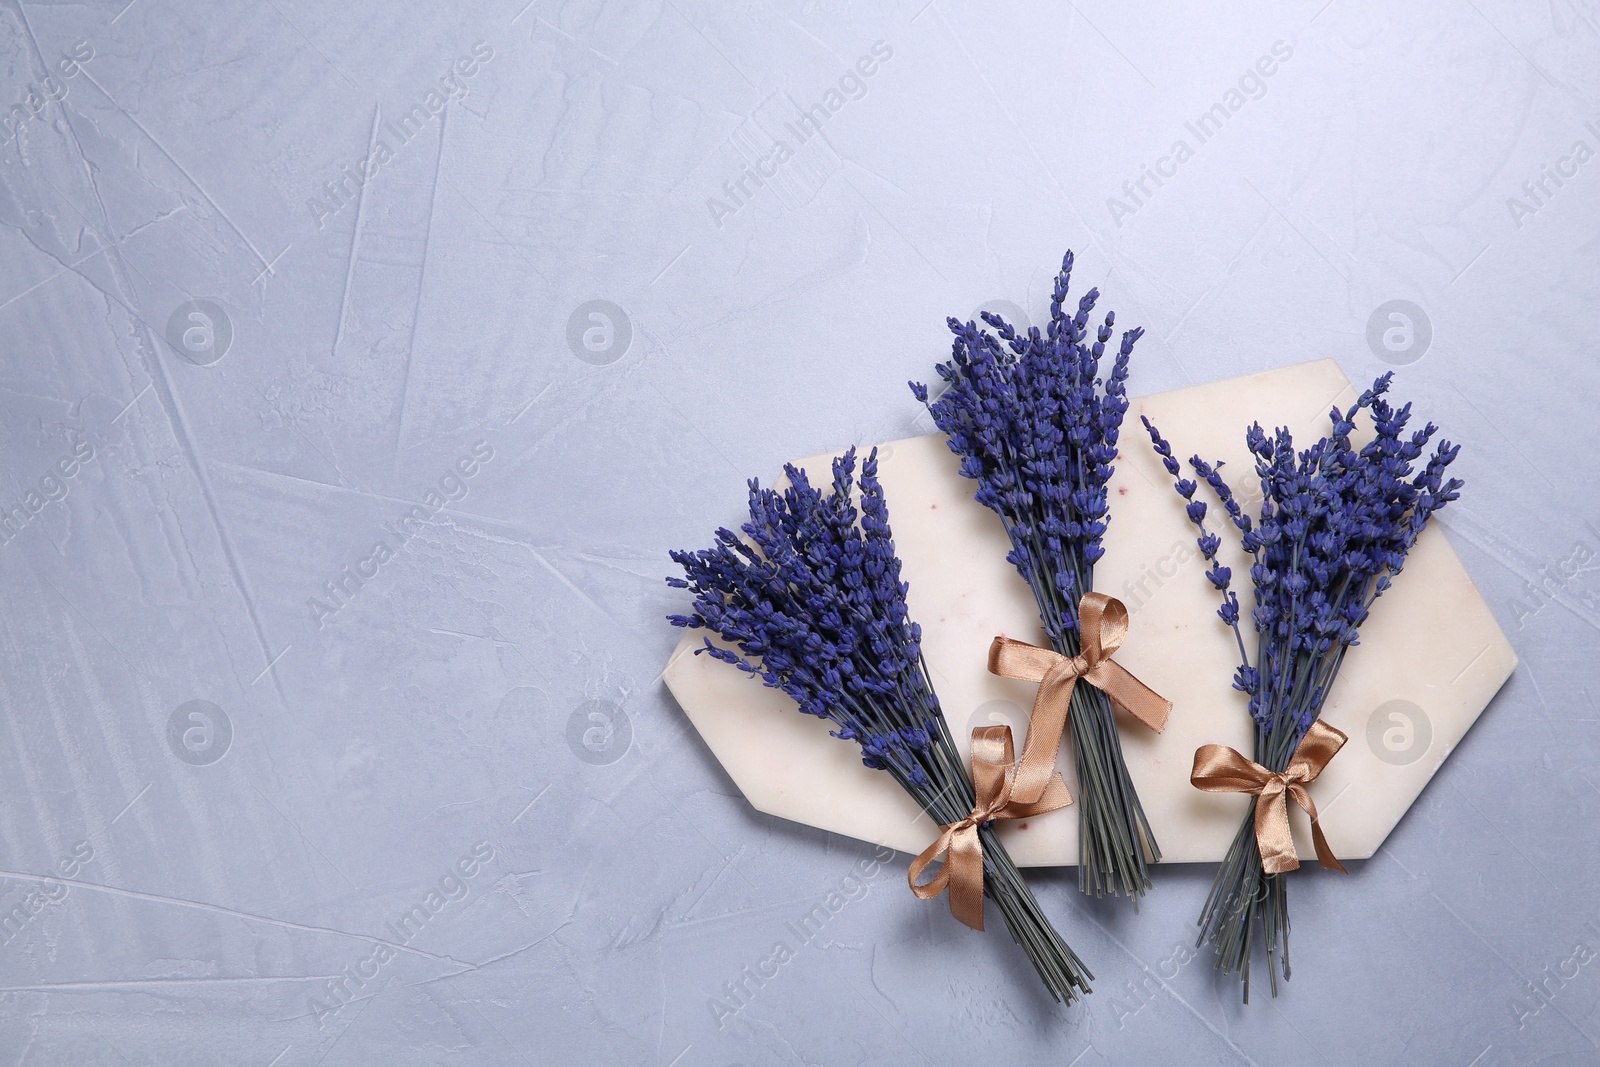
[1221, 769]
[993, 778]
[1102, 626]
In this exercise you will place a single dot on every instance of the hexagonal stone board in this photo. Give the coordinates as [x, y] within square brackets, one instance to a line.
[1429, 661]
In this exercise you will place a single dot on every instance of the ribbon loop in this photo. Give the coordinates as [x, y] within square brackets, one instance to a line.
[1102, 627]
[993, 784]
[1221, 769]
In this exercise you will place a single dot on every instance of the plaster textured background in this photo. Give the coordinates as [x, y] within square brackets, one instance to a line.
[284, 282]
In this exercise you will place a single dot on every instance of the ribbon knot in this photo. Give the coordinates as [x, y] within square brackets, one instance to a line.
[1221, 769]
[1073, 668]
[993, 783]
[1102, 626]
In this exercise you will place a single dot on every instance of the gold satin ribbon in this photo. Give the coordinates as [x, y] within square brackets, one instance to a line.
[1221, 769]
[1102, 626]
[993, 778]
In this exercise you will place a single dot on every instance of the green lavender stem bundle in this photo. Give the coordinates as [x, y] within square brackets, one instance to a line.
[1036, 427]
[1335, 526]
[810, 600]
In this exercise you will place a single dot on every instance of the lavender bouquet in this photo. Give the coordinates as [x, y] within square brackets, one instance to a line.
[1335, 525]
[1036, 426]
[810, 600]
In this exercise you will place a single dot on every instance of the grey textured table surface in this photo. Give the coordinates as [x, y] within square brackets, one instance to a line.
[283, 282]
